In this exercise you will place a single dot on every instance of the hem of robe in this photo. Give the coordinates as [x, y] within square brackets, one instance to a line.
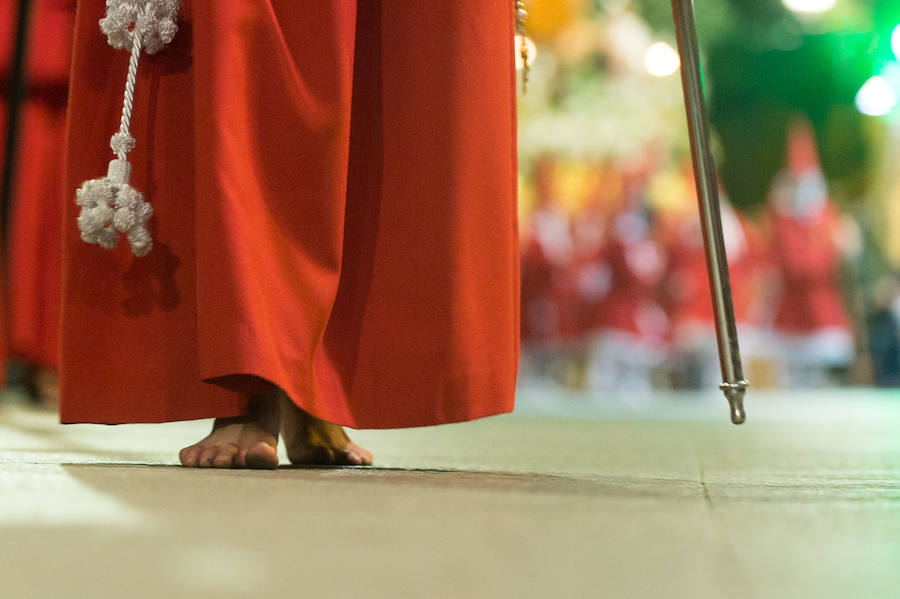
[211, 403]
[245, 383]
[240, 373]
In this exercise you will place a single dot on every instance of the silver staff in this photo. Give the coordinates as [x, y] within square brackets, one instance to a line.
[734, 386]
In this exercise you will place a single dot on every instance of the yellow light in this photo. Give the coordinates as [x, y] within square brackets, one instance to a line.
[661, 60]
[810, 6]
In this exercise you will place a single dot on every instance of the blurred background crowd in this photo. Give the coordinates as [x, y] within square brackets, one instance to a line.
[802, 98]
[801, 95]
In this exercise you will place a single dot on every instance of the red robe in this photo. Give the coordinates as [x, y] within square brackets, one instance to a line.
[687, 296]
[547, 294]
[809, 261]
[636, 266]
[8, 20]
[334, 186]
[36, 214]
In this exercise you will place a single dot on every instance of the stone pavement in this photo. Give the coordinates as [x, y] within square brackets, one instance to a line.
[569, 497]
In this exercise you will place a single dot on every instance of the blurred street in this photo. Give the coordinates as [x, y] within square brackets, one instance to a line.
[660, 497]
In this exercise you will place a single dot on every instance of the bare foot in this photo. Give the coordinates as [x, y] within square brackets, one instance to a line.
[42, 387]
[310, 441]
[248, 441]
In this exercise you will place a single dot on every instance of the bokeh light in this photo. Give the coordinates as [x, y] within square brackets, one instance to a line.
[895, 42]
[661, 60]
[876, 97]
[810, 6]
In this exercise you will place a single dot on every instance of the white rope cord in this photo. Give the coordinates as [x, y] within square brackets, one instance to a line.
[122, 142]
[110, 205]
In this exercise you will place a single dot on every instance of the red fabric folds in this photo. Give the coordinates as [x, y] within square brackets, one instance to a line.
[334, 186]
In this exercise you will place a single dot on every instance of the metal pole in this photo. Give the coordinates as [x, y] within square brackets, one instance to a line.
[734, 385]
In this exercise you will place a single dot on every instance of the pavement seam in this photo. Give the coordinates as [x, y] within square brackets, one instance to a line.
[706, 496]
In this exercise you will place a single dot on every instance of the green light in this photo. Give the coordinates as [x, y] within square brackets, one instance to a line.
[895, 42]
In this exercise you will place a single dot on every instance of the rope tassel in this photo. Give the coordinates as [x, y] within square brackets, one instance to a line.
[110, 205]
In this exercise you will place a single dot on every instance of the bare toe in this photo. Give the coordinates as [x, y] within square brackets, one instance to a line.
[360, 456]
[189, 456]
[261, 456]
[207, 457]
[354, 457]
[350, 459]
[313, 456]
[225, 457]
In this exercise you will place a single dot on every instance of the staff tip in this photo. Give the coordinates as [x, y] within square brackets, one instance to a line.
[734, 393]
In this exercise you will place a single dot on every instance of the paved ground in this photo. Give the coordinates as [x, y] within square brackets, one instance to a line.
[654, 498]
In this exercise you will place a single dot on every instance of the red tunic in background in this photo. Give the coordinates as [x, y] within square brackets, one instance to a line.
[3, 313]
[804, 233]
[687, 295]
[548, 298]
[809, 260]
[7, 35]
[636, 266]
[334, 187]
[36, 213]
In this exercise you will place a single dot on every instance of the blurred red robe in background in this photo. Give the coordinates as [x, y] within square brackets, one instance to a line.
[811, 318]
[626, 327]
[548, 296]
[7, 35]
[334, 186]
[38, 194]
[688, 302]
